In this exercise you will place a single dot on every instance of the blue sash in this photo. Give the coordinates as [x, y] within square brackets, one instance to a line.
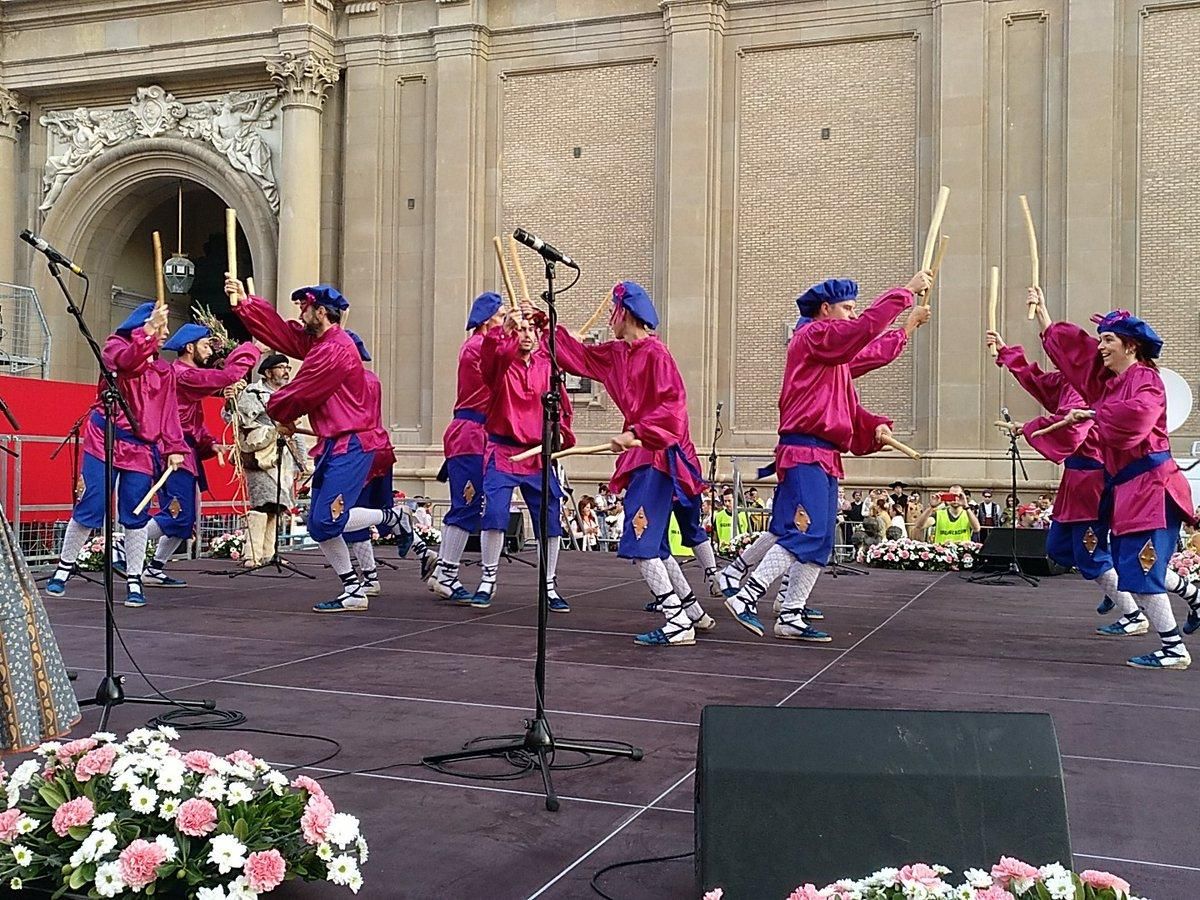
[792, 439]
[1129, 472]
[1082, 464]
[470, 415]
[506, 441]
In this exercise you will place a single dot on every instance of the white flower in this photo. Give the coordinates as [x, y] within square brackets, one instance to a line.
[324, 851]
[342, 869]
[1060, 885]
[227, 853]
[94, 847]
[16, 884]
[168, 846]
[109, 882]
[49, 748]
[143, 800]
[977, 878]
[106, 737]
[13, 795]
[168, 809]
[914, 890]
[139, 736]
[170, 776]
[362, 851]
[26, 825]
[212, 787]
[941, 870]
[22, 854]
[157, 749]
[239, 792]
[964, 892]
[888, 877]
[102, 821]
[167, 732]
[342, 830]
[24, 773]
[213, 893]
[126, 781]
[240, 890]
[355, 882]
[277, 782]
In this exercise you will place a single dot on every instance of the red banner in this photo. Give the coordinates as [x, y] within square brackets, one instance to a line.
[41, 487]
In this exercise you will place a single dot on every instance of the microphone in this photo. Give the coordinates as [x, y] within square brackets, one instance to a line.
[548, 252]
[53, 255]
[720, 406]
[1004, 412]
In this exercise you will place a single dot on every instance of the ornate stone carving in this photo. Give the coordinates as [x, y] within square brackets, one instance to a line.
[233, 124]
[304, 78]
[12, 113]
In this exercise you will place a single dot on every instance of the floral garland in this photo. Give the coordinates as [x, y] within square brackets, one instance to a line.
[908, 554]
[1010, 878]
[113, 818]
[738, 543]
[1186, 563]
[430, 536]
[228, 545]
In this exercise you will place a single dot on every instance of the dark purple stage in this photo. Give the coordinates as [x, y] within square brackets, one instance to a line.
[414, 676]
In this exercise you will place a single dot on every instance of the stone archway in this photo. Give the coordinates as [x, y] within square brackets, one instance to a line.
[99, 208]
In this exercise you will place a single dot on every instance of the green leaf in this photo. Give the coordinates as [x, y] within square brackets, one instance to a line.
[52, 795]
[79, 832]
[77, 879]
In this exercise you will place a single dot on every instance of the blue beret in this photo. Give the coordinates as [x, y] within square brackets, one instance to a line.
[358, 342]
[137, 318]
[1122, 322]
[633, 297]
[187, 334]
[321, 295]
[831, 290]
[484, 307]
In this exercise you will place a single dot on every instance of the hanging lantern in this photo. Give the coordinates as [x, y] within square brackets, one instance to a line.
[179, 271]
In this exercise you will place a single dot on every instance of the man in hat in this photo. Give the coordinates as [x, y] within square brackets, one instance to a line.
[195, 380]
[657, 467]
[463, 444]
[899, 495]
[990, 514]
[263, 458]
[820, 418]
[377, 493]
[331, 389]
[518, 370]
[148, 386]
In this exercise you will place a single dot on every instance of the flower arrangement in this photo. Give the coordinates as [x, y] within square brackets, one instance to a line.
[1186, 563]
[908, 554]
[228, 545]
[111, 818]
[91, 556]
[389, 538]
[738, 543]
[1009, 879]
[431, 536]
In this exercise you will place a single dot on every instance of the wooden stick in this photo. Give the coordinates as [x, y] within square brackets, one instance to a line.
[570, 451]
[993, 300]
[587, 326]
[908, 451]
[137, 510]
[512, 297]
[304, 431]
[1061, 423]
[935, 227]
[1035, 278]
[520, 270]
[937, 265]
[160, 283]
[250, 286]
[231, 248]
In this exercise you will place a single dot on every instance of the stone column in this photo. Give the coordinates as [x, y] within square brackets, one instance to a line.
[695, 34]
[12, 112]
[305, 79]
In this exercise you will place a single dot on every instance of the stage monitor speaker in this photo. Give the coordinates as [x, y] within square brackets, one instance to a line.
[1031, 551]
[788, 796]
[514, 535]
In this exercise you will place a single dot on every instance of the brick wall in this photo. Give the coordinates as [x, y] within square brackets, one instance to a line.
[1169, 215]
[600, 206]
[809, 209]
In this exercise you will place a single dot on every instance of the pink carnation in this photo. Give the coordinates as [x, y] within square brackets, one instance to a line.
[139, 863]
[714, 894]
[993, 893]
[1104, 880]
[318, 813]
[95, 762]
[196, 817]
[313, 787]
[74, 748]
[234, 555]
[265, 871]
[199, 761]
[241, 756]
[1010, 869]
[806, 892]
[921, 874]
[8, 825]
[75, 812]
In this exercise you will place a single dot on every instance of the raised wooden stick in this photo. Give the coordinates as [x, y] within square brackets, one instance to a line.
[250, 286]
[520, 270]
[1054, 426]
[570, 451]
[1035, 277]
[160, 284]
[137, 510]
[231, 248]
[938, 256]
[587, 326]
[889, 441]
[512, 297]
[935, 227]
[993, 300]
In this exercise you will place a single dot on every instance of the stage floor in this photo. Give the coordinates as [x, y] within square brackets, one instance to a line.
[413, 677]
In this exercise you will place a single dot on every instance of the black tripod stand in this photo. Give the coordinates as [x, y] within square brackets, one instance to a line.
[111, 692]
[283, 568]
[538, 743]
[1001, 577]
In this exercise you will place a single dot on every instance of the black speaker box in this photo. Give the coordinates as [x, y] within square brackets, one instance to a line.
[788, 796]
[514, 535]
[1031, 551]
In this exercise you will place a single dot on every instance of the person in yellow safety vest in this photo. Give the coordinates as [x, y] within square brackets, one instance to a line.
[952, 520]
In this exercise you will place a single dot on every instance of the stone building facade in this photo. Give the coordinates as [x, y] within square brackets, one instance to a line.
[726, 153]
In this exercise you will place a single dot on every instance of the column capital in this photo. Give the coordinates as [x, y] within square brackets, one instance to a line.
[693, 15]
[13, 111]
[304, 78]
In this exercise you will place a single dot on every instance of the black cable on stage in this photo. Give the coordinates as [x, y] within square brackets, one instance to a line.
[633, 862]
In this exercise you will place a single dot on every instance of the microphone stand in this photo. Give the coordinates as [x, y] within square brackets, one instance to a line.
[1001, 577]
[538, 744]
[73, 438]
[283, 568]
[718, 430]
[111, 691]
